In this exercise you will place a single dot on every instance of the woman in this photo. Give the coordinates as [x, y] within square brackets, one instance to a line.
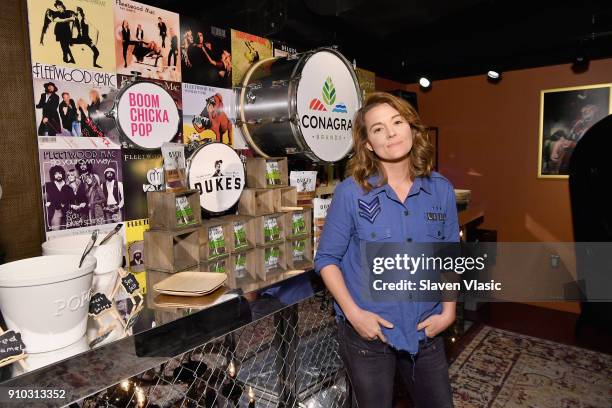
[390, 197]
[84, 35]
[77, 201]
[95, 199]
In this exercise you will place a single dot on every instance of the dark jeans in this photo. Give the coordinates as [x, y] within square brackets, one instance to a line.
[371, 366]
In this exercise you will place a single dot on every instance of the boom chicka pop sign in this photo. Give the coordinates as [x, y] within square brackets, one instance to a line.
[147, 115]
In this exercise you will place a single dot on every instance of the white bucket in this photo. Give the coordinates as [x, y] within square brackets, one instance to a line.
[47, 299]
[38, 360]
[109, 255]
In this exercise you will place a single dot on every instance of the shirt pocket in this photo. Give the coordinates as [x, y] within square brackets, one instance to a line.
[372, 233]
[435, 229]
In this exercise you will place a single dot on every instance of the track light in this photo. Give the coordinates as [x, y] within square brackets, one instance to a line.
[581, 59]
[494, 76]
[424, 82]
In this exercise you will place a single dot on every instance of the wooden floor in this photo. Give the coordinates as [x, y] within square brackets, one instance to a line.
[533, 321]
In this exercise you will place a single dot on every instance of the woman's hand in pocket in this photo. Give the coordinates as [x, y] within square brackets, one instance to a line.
[368, 324]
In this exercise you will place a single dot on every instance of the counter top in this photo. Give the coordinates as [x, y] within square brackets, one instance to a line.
[160, 333]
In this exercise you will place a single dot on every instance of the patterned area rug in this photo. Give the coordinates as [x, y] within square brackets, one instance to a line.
[499, 369]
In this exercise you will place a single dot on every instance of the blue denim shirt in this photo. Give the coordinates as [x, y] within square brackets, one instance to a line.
[355, 216]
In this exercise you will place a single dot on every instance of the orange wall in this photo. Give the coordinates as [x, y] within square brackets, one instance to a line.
[488, 143]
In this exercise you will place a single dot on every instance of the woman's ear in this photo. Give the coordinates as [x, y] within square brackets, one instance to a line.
[369, 146]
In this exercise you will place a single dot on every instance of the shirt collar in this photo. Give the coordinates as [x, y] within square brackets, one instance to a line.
[420, 183]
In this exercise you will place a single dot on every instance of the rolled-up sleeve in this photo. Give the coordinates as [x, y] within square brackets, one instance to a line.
[451, 226]
[337, 231]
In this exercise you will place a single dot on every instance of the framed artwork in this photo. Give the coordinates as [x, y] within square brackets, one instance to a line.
[565, 116]
[432, 136]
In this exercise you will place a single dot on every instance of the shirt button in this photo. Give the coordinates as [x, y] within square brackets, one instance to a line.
[408, 239]
[406, 212]
[373, 235]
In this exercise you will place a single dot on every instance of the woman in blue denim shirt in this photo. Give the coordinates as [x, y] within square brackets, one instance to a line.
[393, 195]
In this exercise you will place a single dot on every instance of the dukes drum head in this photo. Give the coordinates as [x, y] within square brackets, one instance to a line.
[217, 172]
[146, 115]
[328, 95]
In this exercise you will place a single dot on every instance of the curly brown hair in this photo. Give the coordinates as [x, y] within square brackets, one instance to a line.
[365, 163]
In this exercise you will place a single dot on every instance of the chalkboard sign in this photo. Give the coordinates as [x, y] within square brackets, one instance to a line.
[100, 338]
[11, 345]
[130, 283]
[98, 304]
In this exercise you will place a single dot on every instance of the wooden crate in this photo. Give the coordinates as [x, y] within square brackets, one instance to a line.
[171, 251]
[248, 223]
[263, 258]
[241, 265]
[259, 201]
[256, 172]
[220, 265]
[289, 197]
[306, 214]
[259, 224]
[208, 251]
[162, 209]
[299, 253]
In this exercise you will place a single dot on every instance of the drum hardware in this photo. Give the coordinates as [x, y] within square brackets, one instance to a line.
[250, 97]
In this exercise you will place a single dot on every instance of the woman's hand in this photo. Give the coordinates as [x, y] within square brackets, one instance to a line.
[435, 324]
[367, 324]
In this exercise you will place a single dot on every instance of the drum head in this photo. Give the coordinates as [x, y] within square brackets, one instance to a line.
[328, 96]
[216, 171]
[147, 115]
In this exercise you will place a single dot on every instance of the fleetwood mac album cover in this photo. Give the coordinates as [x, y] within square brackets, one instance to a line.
[72, 33]
[82, 183]
[147, 41]
[73, 109]
[208, 116]
[142, 172]
[247, 49]
[206, 55]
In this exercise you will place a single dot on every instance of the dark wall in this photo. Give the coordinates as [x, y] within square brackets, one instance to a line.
[20, 207]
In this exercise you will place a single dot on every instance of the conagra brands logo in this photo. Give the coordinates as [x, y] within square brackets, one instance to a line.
[329, 98]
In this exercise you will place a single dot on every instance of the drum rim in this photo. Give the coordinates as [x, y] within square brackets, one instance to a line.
[115, 113]
[295, 126]
[190, 162]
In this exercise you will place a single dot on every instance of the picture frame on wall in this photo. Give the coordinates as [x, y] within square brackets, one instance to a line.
[432, 136]
[565, 116]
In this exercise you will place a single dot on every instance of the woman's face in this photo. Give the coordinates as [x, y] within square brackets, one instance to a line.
[71, 177]
[389, 134]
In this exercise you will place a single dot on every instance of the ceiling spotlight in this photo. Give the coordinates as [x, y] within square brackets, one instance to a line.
[424, 82]
[494, 76]
[581, 59]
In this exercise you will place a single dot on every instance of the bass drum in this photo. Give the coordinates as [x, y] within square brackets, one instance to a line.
[217, 172]
[302, 105]
[141, 114]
